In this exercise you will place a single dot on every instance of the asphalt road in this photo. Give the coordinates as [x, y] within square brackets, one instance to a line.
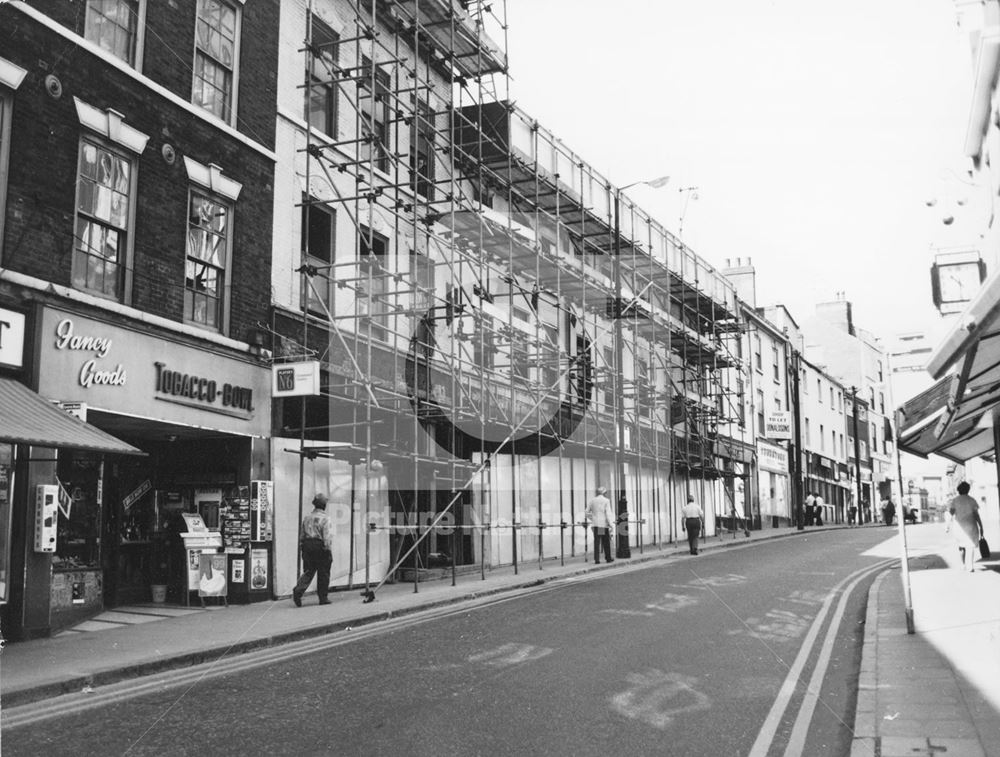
[750, 651]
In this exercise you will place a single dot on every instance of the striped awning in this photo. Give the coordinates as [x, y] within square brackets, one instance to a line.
[27, 418]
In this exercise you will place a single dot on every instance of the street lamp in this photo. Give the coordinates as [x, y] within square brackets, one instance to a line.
[692, 194]
[622, 549]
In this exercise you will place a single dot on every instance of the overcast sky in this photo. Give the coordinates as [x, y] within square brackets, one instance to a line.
[815, 132]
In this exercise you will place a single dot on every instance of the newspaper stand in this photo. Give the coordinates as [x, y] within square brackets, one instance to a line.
[199, 542]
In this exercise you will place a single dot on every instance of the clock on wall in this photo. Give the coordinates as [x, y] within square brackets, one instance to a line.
[954, 284]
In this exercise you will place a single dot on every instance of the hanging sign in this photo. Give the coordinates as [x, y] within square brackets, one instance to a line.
[295, 379]
[778, 425]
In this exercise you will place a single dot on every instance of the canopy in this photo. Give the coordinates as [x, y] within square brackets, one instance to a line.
[27, 418]
[954, 418]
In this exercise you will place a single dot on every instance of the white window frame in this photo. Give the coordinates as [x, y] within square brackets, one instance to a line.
[237, 7]
[11, 77]
[109, 131]
[210, 181]
[139, 41]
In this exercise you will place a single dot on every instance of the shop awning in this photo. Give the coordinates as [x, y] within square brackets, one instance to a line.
[954, 417]
[27, 418]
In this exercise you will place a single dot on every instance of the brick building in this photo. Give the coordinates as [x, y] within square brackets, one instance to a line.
[136, 174]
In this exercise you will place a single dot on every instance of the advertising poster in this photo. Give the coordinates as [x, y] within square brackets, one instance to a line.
[237, 577]
[258, 569]
[212, 575]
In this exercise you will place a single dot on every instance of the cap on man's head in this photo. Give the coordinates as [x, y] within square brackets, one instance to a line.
[320, 501]
[690, 498]
[601, 490]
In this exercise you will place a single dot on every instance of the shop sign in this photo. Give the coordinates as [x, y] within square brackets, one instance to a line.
[11, 338]
[773, 459]
[136, 494]
[778, 425]
[202, 389]
[76, 409]
[110, 366]
[295, 379]
[91, 372]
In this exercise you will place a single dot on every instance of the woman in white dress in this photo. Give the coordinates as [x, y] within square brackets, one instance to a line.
[968, 527]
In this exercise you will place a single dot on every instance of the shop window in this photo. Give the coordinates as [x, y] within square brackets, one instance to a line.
[216, 45]
[372, 281]
[373, 113]
[78, 534]
[114, 26]
[6, 488]
[104, 219]
[319, 230]
[321, 95]
[208, 252]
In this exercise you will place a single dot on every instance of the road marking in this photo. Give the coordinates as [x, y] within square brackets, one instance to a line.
[657, 698]
[780, 625]
[797, 739]
[673, 603]
[808, 597]
[628, 613]
[510, 654]
[765, 737]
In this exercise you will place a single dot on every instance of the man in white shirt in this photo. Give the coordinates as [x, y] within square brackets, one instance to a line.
[601, 518]
[317, 552]
[818, 504]
[693, 521]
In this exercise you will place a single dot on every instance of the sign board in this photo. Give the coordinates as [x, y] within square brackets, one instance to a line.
[11, 338]
[76, 409]
[778, 425]
[212, 575]
[295, 379]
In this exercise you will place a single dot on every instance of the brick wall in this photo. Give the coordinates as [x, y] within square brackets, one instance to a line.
[45, 137]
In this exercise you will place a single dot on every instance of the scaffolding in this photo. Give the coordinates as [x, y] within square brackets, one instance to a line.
[457, 281]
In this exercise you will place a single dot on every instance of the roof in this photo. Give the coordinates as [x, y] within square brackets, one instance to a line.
[27, 418]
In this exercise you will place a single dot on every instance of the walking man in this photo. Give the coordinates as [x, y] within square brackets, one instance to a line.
[600, 516]
[317, 552]
[694, 520]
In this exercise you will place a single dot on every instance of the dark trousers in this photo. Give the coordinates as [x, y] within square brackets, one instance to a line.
[316, 561]
[693, 528]
[602, 536]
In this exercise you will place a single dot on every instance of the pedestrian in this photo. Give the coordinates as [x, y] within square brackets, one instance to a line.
[601, 518]
[818, 508]
[852, 515]
[810, 508]
[317, 552]
[964, 511]
[694, 520]
[888, 511]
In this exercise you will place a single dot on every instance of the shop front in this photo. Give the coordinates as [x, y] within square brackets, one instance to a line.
[134, 528]
[772, 478]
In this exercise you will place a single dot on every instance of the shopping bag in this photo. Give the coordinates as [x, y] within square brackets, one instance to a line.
[984, 549]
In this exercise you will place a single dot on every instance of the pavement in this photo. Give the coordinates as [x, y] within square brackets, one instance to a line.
[934, 692]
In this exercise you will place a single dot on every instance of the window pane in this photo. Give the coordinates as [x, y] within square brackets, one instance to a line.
[207, 258]
[215, 37]
[111, 25]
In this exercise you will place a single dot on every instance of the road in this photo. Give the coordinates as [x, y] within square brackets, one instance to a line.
[747, 651]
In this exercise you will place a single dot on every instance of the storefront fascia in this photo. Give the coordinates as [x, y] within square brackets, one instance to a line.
[773, 459]
[202, 417]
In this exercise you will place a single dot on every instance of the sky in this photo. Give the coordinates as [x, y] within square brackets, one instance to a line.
[816, 133]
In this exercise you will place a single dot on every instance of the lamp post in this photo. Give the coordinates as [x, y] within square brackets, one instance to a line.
[622, 549]
[857, 453]
[692, 194]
